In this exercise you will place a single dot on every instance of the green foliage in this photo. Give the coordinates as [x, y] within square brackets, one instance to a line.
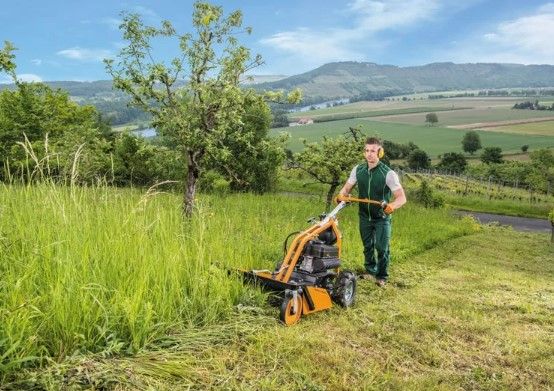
[492, 155]
[252, 158]
[418, 159]
[331, 160]
[453, 162]
[280, 118]
[471, 142]
[425, 196]
[7, 60]
[201, 117]
[42, 128]
[137, 163]
[431, 118]
[398, 151]
[524, 148]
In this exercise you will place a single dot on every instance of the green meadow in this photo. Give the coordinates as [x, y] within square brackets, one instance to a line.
[471, 116]
[433, 140]
[116, 271]
[545, 128]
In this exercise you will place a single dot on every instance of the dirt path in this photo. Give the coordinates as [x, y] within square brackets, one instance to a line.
[485, 125]
[518, 223]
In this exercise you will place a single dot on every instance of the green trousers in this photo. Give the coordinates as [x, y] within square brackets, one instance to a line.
[376, 239]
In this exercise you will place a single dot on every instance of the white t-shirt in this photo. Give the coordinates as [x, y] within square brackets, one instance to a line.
[391, 179]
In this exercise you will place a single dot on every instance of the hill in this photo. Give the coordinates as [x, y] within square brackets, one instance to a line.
[360, 79]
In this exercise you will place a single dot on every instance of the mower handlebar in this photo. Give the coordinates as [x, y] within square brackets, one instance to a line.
[361, 200]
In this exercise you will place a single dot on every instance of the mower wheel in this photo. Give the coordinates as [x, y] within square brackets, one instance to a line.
[291, 313]
[344, 292]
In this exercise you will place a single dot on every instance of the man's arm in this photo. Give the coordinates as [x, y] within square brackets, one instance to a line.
[346, 189]
[399, 198]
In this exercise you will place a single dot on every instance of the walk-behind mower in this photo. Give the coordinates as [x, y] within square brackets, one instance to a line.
[309, 277]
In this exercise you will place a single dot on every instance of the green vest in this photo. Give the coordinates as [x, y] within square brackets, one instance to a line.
[372, 184]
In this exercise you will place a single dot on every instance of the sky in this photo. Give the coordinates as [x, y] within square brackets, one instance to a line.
[67, 40]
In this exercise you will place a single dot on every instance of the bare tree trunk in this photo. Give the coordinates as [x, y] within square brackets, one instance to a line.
[330, 196]
[190, 186]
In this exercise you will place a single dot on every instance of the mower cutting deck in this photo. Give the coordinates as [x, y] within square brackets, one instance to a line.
[309, 275]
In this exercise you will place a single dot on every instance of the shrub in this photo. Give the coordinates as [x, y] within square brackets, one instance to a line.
[425, 196]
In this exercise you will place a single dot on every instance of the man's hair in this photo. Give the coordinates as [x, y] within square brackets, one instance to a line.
[373, 140]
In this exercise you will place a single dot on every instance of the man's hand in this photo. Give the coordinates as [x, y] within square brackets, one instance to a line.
[387, 208]
[341, 197]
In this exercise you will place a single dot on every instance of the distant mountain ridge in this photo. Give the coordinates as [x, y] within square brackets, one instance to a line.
[350, 79]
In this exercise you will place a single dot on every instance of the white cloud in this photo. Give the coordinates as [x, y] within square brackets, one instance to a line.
[369, 17]
[84, 54]
[393, 14]
[113, 23]
[525, 40]
[311, 45]
[29, 77]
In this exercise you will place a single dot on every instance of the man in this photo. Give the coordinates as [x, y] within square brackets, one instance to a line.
[378, 182]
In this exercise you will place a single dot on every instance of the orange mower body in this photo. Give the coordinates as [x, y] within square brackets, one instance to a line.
[310, 276]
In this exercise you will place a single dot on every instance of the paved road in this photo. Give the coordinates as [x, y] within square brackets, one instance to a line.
[518, 223]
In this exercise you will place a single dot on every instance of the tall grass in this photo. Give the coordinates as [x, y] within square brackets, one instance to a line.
[108, 270]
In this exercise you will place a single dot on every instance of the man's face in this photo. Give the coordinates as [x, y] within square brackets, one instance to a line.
[371, 152]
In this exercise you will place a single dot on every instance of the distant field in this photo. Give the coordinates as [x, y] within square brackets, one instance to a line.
[453, 103]
[545, 128]
[461, 117]
[434, 140]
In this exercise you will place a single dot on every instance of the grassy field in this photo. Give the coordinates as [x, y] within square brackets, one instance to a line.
[473, 313]
[545, 128]
[388, 105]
[433, 140]
[116, 271]
[379, 113]
[469, 194]
[470, 116]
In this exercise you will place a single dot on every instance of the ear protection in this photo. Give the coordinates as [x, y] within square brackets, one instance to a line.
[381, 153]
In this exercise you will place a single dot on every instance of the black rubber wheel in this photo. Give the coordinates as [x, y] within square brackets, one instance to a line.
[290, 315]
[344, 292]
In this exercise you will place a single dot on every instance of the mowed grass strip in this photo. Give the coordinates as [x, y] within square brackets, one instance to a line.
[434, 140]
[473, 313]
[545, 128]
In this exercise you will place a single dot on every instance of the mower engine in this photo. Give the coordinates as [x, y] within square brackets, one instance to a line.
[319, 257]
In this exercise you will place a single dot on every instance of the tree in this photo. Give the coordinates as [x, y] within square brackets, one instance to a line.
[418, 159]
[198, 116]
[471, 142]
[492, 155]
[431, 118]
[524, 148]
[47, 123]
[7, 60]
[452, 161]
[331, 160]
[255, 156]
[542, 175]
